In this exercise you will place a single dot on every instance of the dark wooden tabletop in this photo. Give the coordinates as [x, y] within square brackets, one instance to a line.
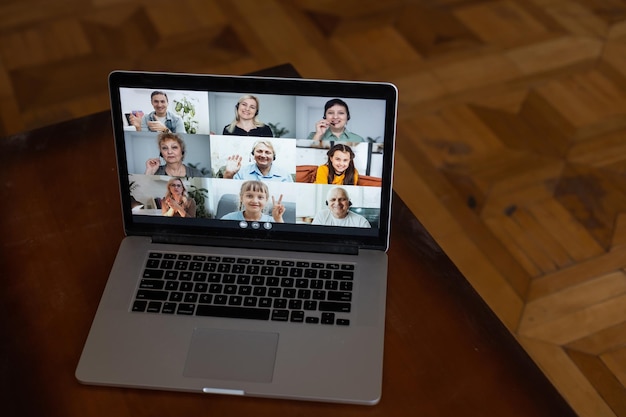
[446, 353]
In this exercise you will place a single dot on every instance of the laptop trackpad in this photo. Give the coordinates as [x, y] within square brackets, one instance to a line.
[232, 355]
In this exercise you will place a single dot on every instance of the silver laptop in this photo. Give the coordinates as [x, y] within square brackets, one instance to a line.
[257, 220]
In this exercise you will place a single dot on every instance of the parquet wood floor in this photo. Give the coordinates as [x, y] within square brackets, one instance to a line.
[511, 135]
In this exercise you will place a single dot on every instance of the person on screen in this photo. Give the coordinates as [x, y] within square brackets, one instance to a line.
[339, 169]
[338, 212]
[159, 120]
[176, 203]
[332, 127]
[246, 122]
[262, 169]
[172, 150]
[253, 197]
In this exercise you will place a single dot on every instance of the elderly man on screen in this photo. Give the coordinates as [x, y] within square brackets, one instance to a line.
[338, 212]
[262, 169]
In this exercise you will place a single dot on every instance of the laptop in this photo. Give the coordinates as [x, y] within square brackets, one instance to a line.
[257, 221]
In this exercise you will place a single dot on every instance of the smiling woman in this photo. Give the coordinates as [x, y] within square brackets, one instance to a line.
[246, 122]
[333, 124]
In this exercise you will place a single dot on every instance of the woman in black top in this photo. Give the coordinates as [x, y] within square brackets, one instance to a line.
[246, 121]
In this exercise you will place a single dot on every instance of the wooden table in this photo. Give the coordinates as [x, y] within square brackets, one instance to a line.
[446, 353]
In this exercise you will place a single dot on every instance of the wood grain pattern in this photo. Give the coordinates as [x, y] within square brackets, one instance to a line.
[511, 133]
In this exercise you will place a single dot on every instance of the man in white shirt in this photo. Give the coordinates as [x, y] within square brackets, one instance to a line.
[338, 212]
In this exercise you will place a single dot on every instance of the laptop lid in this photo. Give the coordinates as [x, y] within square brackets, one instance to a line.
[156, 115]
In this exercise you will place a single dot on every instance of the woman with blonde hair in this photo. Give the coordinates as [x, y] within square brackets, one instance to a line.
[176, 203]
[246, 122]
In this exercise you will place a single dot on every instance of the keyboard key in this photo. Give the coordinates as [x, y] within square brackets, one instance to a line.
[312, 320]
[190, 297]
[171, 286]
[166, 264]
[152, 295]
[152, 284]
[200, 276]
[297, 316]
[280, 315]
[171, 275]
[287, 282]
[259, 291]
[235, 300]
[152, 263]
[325, 274]
[140, 305]
[331, 285]
[319, 295]
[185, 309]
[347, 275]
[244, 290]
[176, 296]
[296, 272]
[334, 306]
[258, 280]
[274, 292]
[328, 318]
[153, 273]
[154, 307]
[206, 298]
[339, 296]
[181, 265]
[169, 308]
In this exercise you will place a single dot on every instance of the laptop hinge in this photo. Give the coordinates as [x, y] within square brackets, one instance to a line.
[258, 244]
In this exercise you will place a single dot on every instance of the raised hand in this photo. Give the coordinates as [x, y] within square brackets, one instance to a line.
[233, 165]
[152, 165]
[278, 209]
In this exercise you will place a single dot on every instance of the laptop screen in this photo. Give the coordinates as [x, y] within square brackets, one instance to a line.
[254, 159]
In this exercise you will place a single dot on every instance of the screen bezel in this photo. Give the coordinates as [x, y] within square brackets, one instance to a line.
[212, 229]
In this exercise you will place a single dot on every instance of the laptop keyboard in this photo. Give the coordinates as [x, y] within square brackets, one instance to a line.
[246, 288]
